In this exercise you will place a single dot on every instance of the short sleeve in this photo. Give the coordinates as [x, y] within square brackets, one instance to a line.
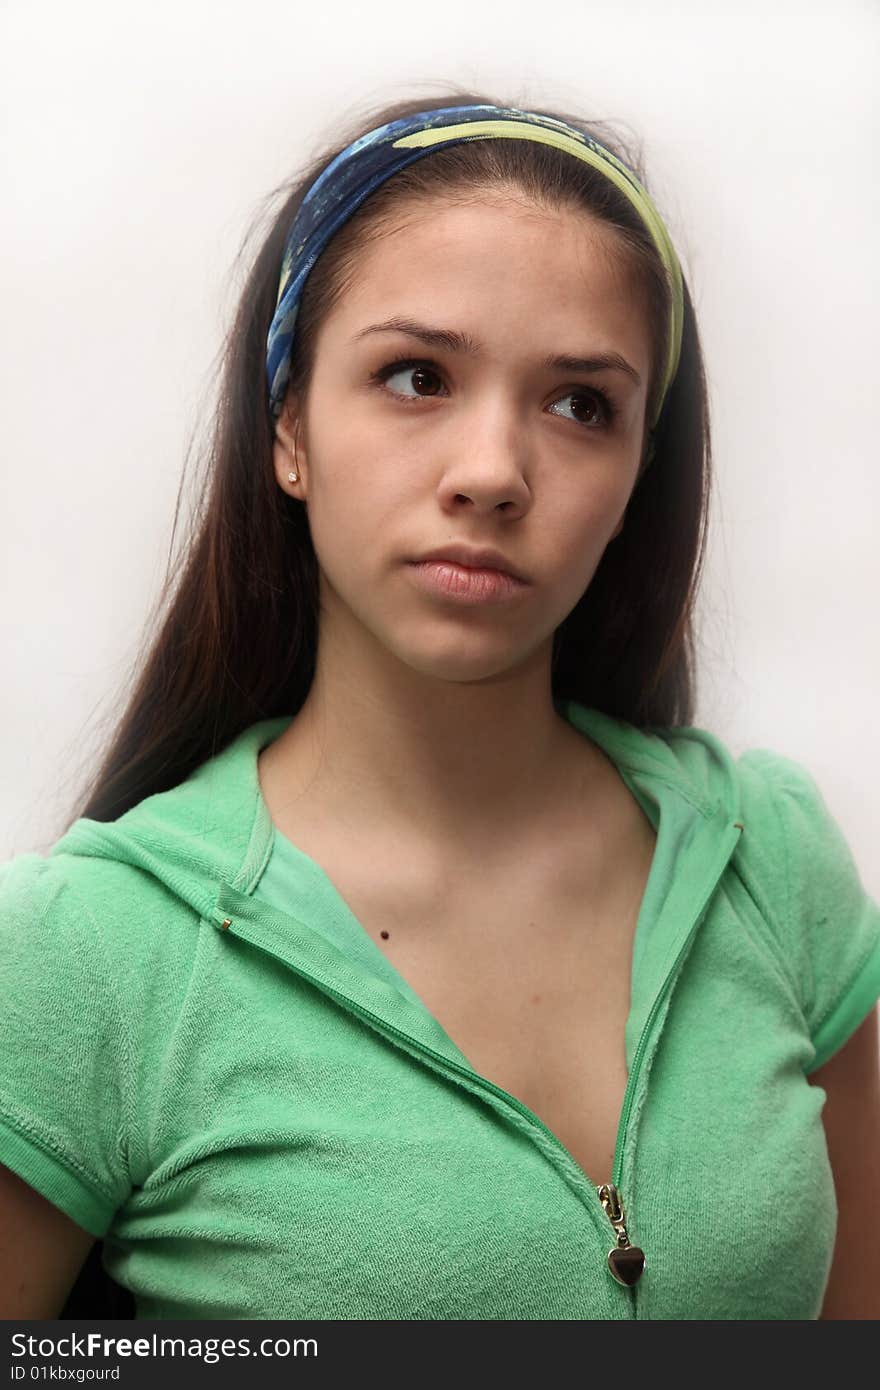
[832, 925]
[64, 1055]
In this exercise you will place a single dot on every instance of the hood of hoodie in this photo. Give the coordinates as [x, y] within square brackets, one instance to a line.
[210, 838]
[214, 828]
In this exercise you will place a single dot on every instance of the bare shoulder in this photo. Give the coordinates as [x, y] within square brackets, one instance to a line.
[851, 1117]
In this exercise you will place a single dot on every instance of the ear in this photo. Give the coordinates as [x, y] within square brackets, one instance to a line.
[288, 452]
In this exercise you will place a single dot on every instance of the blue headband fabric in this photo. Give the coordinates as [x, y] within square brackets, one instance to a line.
[362, 166]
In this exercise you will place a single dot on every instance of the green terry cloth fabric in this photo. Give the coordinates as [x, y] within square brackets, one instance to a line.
[205, 1060]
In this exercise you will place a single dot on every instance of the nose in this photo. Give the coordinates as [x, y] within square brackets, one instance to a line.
[489, 466]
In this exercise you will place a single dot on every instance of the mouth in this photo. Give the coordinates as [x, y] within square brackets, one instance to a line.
[460, 583]
[483, 558]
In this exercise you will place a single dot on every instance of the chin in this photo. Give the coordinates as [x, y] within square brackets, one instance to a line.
[468, 659]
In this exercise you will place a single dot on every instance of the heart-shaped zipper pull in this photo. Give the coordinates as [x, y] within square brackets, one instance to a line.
[625, 1261]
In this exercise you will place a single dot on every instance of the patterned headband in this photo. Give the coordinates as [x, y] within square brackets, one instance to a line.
[360, 168]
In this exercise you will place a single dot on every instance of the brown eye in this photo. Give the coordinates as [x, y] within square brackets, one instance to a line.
[588, 409]
[593, 410]
[417, 373]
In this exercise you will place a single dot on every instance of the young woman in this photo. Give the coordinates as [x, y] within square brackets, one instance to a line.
[413, 955]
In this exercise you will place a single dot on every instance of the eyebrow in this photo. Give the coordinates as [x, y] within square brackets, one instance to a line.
[451, 340]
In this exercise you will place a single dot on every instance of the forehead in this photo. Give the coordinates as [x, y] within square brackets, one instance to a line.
[502, 260]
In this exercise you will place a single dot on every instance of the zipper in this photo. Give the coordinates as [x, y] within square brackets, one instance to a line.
[626, 1262]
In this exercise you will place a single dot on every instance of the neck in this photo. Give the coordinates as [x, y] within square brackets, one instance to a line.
[477, 761]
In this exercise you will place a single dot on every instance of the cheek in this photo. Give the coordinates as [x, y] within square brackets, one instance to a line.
[577, 535]
[361, 489]
[357, 517]
[581, 521]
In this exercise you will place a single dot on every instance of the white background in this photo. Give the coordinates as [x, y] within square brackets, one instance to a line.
[137, 144]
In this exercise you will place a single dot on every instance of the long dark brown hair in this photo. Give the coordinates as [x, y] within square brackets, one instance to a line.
[233, 636]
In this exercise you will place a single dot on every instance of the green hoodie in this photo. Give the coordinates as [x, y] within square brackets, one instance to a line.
[205, 1060]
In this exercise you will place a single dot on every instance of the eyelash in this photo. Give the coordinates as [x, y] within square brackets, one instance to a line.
[608, 406]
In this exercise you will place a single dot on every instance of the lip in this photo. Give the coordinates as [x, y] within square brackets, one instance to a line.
[464, 583]
[475, 558]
